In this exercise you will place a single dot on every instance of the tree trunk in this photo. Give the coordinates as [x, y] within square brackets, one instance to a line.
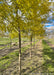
[17, 17]
[31, 47]
[34, 41]
[19, 51]
[10, 42]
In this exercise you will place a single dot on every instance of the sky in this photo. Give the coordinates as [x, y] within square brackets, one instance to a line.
[50, 24]
[51, 0]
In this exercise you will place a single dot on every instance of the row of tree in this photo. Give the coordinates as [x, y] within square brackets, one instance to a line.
[23, 18]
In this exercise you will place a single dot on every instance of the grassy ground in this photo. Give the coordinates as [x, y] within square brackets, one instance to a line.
[52, 40]
[4, 40]
[6, 60]
[29, 66]
[48, 54]
[42, 60]
[10, 57]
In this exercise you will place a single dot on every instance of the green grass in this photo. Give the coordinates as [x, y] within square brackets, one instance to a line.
[2, 47]
[7, 40]
[51, 40]
[4, 40]
[8, 46]
[48, 55]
